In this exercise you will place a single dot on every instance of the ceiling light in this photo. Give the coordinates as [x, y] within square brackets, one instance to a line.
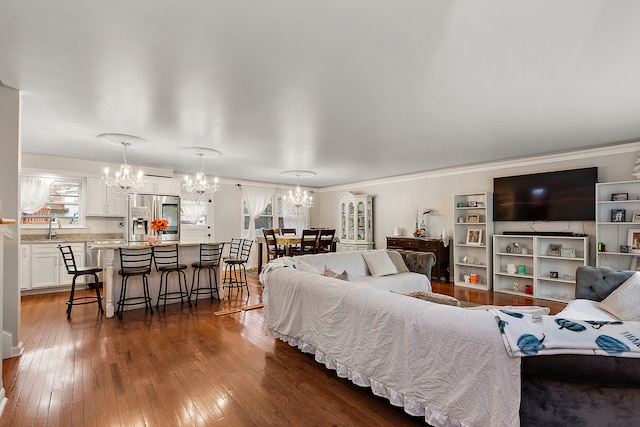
[199, 188]
[298, 200]
[124, 181]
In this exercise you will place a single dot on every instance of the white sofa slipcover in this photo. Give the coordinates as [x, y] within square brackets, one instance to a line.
[354, 264]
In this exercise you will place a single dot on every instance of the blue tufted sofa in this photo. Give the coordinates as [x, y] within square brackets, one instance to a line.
[579, 390]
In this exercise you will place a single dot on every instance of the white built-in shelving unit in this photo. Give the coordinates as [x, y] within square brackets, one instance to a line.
[472, 213]
[544, 265]
[615, 230]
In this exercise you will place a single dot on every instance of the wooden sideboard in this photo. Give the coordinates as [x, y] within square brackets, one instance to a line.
[440, 270]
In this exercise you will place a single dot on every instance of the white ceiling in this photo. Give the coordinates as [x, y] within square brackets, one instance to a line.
[353, 90]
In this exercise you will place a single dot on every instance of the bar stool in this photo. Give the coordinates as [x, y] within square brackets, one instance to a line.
[234, 270]
[70, 264]
[135, 262]
[165, 258]
[210, 255]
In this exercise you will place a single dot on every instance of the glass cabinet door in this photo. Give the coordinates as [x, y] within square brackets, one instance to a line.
[343, 221]
[351, 225]
[361, 222]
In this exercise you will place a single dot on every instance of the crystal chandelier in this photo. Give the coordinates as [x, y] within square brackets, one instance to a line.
[124, 181]
[298, 200]
[199, 188]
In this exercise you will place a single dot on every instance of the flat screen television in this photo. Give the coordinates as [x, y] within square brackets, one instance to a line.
[567, 195]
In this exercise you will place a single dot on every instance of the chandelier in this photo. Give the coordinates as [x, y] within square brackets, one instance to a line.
[298, 200]
[199, 188]
[124, 181]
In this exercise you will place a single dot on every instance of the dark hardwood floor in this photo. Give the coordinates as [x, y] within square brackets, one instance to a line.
[185, 366]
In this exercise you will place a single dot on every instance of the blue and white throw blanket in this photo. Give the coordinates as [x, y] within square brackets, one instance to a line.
[531, 335]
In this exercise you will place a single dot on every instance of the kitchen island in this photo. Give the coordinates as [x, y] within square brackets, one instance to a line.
[112, 281]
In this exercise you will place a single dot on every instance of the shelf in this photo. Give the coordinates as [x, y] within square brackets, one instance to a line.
[522, 276]
[470, 265]
[564, 258]
[516, 255]
[481, 286]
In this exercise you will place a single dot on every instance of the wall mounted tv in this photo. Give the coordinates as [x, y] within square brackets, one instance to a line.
[567, 195]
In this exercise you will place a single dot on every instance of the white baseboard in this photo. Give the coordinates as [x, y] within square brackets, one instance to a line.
[3, 400]
[9, 351]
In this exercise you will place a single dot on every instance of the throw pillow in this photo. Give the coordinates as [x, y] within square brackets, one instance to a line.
[308, 268]
[336, 275]
[379, 263]
[433, 297]
[398, 261]
[624, 302]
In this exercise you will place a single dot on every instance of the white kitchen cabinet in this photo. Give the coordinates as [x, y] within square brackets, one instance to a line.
[25, 266]
[47, 265]
[103, 202]
[162, 186]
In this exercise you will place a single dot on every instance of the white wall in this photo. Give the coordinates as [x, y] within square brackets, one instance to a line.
[394, 198]
[9, 185]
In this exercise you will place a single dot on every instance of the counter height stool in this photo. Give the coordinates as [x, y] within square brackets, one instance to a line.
[210, 255]
[135, 262]
[235, 271]
[70, 264]
[166, 260]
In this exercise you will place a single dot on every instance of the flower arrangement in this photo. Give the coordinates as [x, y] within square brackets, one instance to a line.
[416, 214]
[159, 224]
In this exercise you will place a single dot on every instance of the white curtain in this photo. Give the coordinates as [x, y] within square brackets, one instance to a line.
[256, 199]
[34, 193]
[299, 222]
[193, 209]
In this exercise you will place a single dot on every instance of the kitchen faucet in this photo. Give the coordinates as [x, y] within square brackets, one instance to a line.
[52, 234]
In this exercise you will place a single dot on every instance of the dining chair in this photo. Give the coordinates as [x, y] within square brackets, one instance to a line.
[72, 268]
[210, 256]
[288, 231]
[135, 262]
[325, 241]
[166, 261]
[273, 249]
[308, 243]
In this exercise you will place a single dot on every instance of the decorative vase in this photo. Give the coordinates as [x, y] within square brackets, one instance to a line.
[416, 232]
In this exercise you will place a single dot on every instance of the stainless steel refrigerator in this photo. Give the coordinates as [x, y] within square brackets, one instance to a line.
[143, 208]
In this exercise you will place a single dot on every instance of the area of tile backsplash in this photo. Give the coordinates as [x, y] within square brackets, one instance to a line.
[102, 227]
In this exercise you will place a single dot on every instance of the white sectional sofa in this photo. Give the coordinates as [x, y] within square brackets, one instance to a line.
[445, 364]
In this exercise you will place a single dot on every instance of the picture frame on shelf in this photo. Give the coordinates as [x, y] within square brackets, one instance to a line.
[635, 217]
[568, 252]
[474, 237]
[554, 250]
[553, 274]
[616, 197]
[473, 218]
[618, 215]
[633, 240]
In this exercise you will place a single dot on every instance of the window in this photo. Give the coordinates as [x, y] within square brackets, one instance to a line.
[193, 212]
[64, 203]
[267, 218]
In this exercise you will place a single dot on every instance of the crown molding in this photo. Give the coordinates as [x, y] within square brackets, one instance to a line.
[495, 165]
